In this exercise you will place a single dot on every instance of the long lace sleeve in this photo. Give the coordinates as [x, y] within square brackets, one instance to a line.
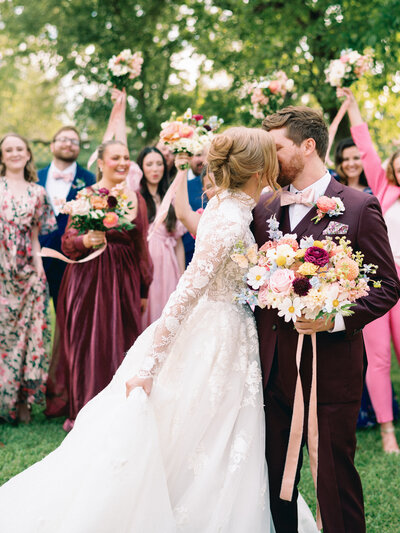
[220, 228]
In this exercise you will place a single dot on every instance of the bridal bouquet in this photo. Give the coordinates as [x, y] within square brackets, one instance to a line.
[190, 133]
[125, 66]
[312, 278]
[99, 209]
[348, 69]
[267, 94]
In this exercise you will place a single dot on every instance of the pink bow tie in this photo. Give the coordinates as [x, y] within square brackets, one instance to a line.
[68, 177]
[305, 198]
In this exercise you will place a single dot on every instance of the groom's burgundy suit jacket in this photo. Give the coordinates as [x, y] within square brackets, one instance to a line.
[340, 355]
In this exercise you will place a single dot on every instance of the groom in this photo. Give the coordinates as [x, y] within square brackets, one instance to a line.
[301, 138]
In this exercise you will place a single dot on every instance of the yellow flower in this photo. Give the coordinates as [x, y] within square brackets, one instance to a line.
[308, 269]
[124, 196]
[318, 243]
[300, 253]
[281, 260]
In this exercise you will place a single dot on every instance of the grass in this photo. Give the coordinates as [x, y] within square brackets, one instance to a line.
[23, 445]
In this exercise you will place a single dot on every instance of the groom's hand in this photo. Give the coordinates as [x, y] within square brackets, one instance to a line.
[307, 327]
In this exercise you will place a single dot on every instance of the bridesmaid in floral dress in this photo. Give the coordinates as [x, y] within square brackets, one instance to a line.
[25, 213]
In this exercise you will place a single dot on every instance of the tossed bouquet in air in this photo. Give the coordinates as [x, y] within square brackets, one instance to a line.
[123, 67]
[99, 209]
[190, 133]
[267, 94]
[349, 68]
[314, 279]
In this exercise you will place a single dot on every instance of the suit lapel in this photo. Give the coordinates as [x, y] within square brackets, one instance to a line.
[306, 226]
[73, 189]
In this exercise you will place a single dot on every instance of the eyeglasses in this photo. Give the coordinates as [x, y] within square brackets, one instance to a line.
[66, 140]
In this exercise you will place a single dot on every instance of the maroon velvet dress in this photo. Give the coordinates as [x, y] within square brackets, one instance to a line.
[98, 314]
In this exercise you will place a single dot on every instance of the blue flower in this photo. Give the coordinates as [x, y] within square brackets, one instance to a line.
[306, 242]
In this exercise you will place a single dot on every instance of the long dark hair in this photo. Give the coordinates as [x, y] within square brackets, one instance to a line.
[170, 221]
[340, 147]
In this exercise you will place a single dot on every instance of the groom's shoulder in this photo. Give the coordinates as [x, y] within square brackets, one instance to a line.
[357, 199]
[267, 204]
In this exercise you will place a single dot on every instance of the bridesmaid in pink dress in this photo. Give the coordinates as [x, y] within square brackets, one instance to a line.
[165, 244]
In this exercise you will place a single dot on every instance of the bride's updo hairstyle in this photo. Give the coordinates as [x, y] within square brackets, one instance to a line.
[238, 153]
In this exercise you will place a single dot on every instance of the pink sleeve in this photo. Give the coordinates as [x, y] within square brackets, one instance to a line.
[375, 174]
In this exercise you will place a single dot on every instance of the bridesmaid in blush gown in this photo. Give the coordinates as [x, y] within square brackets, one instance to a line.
[165, 243]
[100, 302]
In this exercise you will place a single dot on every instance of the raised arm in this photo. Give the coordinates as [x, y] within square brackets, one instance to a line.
[372, 164]
[333, 128]
[183, 210]
[216, 238]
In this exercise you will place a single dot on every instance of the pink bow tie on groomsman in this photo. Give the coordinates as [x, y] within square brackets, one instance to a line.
[305, 198]
[68, 177]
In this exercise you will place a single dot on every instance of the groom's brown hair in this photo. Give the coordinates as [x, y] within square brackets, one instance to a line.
[301, 123]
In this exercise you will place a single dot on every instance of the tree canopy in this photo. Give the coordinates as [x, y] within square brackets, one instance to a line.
[53, 57]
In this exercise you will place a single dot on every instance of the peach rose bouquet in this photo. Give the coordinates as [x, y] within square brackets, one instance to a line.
[99, 209]
[312, 278]
[188, 133]
[267, 94]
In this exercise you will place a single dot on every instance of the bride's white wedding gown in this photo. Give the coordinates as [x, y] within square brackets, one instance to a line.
[188, 458]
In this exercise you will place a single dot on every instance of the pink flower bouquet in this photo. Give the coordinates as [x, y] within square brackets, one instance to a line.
[190, 133]
[99, 209]
[349, 68]
[312, 278]
[267, 94]
[123, 67]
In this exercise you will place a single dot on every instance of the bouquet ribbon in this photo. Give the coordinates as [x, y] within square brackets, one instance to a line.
[296, 429]
[49, 252]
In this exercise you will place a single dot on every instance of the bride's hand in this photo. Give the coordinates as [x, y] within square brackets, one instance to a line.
[136, 381]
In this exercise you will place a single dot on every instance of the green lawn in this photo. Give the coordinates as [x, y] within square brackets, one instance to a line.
[380, 473]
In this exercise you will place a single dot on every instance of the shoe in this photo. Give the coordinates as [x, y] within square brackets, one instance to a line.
[389, 441]
[68, 425]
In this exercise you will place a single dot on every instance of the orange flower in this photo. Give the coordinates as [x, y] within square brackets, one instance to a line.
[347, 269]
[98, 202]
[110, 220]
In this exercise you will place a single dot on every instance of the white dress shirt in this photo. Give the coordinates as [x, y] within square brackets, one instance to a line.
[58, 190]
[298, 211]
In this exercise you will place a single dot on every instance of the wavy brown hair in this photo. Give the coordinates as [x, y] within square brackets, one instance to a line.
[30, 173]
[390, 174]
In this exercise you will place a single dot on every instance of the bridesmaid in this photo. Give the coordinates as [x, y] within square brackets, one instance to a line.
[101, 301]
[385, 185]
[25, 213]
[165, 244]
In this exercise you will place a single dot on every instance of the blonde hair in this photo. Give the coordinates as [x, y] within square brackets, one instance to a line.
[30, 173]
[238, 153]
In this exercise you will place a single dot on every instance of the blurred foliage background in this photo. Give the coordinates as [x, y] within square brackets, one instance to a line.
[197, 53]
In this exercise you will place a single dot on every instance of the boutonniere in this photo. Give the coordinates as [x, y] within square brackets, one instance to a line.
[79, 184]
[332, 207]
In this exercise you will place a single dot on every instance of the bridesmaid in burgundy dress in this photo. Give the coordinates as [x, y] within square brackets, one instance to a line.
[101, 301]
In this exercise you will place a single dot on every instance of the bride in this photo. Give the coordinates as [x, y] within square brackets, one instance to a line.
[176, 442]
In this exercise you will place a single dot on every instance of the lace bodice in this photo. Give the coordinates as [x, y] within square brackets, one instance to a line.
[211, 273]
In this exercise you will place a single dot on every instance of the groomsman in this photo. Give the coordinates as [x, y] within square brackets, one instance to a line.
[62, 179]
[301, 139]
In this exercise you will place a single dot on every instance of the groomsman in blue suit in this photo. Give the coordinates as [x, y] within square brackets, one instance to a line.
[62, 179]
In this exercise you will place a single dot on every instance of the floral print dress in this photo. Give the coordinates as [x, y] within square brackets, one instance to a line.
[24, 321]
